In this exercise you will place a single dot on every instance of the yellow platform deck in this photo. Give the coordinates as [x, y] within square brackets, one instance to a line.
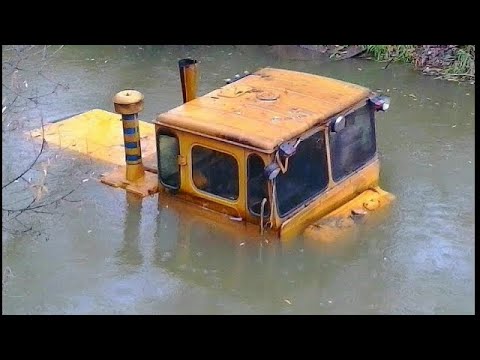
[99, 135]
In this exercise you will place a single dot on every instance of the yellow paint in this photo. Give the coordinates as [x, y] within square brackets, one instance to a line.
[267, 159]
[334, 197]
[99, 135]
[356, 187]
[266, 108]
[342, 220]
[188, 191]
[256, 114]
[190, 212]
[144, 185]
[134, 172]
[251, 116]
[236, 208]
[135, 169]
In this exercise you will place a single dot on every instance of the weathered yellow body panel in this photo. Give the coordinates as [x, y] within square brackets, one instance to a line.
[343, 219]
[146, 184]
[99, 135]
[191, 212]
[232, 207]
[335, 196]
[266, 108]
[356, 186]
[319, 232]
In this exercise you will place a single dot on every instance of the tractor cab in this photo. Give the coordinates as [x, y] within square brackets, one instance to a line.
[277, 151]
[276, 148]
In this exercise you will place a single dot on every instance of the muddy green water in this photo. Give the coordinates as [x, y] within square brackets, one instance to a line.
[107, 253]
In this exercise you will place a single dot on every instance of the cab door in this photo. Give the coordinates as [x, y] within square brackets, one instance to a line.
[257, 188]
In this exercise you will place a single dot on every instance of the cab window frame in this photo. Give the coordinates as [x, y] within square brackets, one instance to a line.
[165, 132]
[293, 210]
[208, 194]
[262, 176]
[331, 143]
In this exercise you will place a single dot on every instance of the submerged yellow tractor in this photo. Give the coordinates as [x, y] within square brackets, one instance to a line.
[274, 153]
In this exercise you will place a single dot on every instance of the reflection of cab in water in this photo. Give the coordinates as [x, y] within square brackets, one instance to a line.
[280, 149]
[278, 152]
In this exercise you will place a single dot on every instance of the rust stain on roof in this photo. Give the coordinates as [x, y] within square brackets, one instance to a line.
[265, 108]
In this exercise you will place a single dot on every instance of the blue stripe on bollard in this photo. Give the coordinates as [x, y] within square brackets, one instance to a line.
[128, 117]
[129, 131]
[133, 157]
[131, 145]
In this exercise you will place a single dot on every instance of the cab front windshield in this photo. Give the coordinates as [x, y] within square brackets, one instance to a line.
[306, 176]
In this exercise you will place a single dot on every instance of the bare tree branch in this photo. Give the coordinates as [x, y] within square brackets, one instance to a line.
[34, 161]
[23, 74]
[30, 207]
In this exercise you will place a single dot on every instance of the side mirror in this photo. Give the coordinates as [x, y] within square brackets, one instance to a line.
[381, 102]
[287, 149]
[338, 124]
[271, 171]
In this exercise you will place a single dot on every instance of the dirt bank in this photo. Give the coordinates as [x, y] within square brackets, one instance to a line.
[450, 62]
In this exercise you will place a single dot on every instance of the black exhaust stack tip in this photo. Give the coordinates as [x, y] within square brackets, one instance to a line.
[186, 62]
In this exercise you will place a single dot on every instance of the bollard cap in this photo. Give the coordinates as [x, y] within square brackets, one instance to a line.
[128, 102]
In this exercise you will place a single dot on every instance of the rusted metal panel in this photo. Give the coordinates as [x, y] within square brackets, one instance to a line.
[266, 108]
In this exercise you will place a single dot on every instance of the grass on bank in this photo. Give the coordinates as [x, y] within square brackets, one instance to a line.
[462, 66]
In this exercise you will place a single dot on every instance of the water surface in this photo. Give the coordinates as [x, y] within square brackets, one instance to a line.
[108, 253]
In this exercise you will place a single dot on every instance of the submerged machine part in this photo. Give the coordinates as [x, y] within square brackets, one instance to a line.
[132, 177]
[277, 151]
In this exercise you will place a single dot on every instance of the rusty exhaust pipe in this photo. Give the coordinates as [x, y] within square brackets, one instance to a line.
[188, 77]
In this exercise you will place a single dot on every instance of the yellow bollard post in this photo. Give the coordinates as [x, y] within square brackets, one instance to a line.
[133, 178]
[129, 103]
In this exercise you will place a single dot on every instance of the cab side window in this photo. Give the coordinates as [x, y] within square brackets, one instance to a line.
[354, 145]
[168, 168]
[257, 188]
[215, 172]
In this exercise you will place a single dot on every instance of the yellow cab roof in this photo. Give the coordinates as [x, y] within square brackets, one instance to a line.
[266, 108]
